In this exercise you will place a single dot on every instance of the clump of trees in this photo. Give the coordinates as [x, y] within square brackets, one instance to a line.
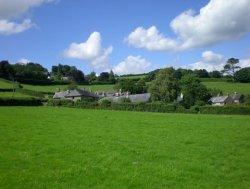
[169, 83]
[71, 72]
[243, 75]
[134, 86]
[27, 73]
[165, 87]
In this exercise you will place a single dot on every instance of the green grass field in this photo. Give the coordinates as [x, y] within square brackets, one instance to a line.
[16, 95]
[45, 147]
[54, 88]
[4, 84]
[228, 87]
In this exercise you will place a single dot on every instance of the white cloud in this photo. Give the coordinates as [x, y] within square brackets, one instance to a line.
[12, 9]
[8, 28]
[132, 65]
[212, 61]
[23, 61]
[150, 39]
[91, 50]
[209, 61]
[244, 63]
[218, 21]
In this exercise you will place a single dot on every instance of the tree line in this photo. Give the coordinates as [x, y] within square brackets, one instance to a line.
[35, 73]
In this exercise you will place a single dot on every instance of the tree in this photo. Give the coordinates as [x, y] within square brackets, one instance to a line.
[111, 77]
[6, 70]
[31, 73]
[215, 74]
[193, 91]
[103, 77]
[92, 77]
[202, 73]
[67, 71]
[231, 67]
[165, 87]
[243, 75]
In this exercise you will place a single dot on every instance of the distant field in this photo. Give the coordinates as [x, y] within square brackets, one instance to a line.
[4, 84]
[45, 147]
[16, 95]
[133, 76]
[228, 87]
[54, 88]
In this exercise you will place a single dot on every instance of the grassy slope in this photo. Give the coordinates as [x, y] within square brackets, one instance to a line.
[4, 84]
[53, 88]
[226, 87]
[74, 148]
[16, 95]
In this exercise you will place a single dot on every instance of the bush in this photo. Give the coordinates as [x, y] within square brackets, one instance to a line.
[124, 100]
[105, 103]
[242, 110]
[153, 107]
[20, 102]
[243, 75]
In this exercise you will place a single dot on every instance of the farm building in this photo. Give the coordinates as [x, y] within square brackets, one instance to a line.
[74, 95]
[226, 100]
[133, 98]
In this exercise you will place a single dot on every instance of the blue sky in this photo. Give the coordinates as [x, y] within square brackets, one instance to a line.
[56, 25]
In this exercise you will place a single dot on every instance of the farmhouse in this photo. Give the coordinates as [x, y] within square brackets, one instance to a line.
[226, 100]
[74, 95]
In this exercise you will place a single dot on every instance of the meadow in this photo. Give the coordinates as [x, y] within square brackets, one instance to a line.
[45, 147]
[54, 88]
[225, 87]
[229, 87]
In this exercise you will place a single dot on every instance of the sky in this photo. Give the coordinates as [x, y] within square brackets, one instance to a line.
[129, 37]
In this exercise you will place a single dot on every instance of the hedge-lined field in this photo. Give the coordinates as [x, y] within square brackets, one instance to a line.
[54, 88]
[229, 87]
[4, 84]
[45, 147]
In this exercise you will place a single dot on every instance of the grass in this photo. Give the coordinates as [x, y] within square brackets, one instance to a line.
[54, 88]
[229, 87]
[5, 84]
[16, 95]
[45, 147]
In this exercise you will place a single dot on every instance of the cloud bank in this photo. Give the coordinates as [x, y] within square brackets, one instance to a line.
[132, 65]
[13, 9]
[212, 61]
[218, 21]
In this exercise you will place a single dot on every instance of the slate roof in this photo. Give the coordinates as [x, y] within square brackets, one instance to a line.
[59, 95]
[74, 93]
[219, 99]
[134, 98]
[140, 97]
[236, 96]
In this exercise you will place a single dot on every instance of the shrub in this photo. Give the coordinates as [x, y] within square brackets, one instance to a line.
[243, 110]
[105, 103]
[20, 102]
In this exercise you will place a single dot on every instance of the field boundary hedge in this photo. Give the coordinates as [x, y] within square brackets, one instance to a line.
[153, 107]
[21, 102]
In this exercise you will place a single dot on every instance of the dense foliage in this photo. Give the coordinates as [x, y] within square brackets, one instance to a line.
[243, 75]
[70, 73]
[165, 87]
[194, 92]
[20, 102]
[134, 86]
